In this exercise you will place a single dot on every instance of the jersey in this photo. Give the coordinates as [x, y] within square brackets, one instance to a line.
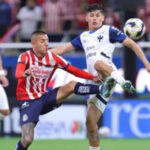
[42, 69]
[98, 45]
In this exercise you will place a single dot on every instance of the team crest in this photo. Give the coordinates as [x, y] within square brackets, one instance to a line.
[100, 37]
[25, 117]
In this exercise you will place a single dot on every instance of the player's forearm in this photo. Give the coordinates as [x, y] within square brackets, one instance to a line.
[19, 73]
[137, 50]
[79, 72]
[62, 49]
[140, 54]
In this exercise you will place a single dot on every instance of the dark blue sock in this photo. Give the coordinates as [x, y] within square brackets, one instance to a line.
[83, 89]
[19, 146]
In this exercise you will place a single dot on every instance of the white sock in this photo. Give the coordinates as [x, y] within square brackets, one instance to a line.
[94, 148]
[118, 78]
[1, 116]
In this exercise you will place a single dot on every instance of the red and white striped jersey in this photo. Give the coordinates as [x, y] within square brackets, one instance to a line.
[42, 69]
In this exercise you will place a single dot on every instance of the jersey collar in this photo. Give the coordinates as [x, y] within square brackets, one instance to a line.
[92, 31]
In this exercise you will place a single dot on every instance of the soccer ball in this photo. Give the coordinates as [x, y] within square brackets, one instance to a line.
[134, 28]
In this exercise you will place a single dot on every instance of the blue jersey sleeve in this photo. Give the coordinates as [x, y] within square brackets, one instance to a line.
[77, 43]
[115, 35]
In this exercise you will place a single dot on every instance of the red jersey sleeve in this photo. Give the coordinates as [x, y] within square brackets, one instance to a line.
[21, 65]
[79, 72]
[61, 62]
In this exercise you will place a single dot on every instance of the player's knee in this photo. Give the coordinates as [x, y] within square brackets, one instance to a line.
[27, 140]
[5, 112]
[71, 85]
[99, 65]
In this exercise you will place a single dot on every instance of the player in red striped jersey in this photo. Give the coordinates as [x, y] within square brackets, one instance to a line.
[33, 71]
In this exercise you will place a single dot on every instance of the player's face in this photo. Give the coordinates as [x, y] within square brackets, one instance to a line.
[40, 44]
[95, 19]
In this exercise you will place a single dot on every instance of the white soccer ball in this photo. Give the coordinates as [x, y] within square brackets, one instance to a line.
[104, 131]
[134, 28]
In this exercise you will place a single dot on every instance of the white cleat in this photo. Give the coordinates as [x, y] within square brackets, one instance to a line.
[127, 86]
[108, 86]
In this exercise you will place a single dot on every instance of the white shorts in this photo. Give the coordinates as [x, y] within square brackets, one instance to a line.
[91, 62]
[3, 99]
[99, 101]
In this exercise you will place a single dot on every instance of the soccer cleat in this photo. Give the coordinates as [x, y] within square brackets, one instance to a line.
[108, 86]
[127, 86]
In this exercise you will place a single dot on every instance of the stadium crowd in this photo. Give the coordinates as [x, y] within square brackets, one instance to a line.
[61, 19]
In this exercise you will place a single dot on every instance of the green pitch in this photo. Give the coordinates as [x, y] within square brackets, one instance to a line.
[106, 144]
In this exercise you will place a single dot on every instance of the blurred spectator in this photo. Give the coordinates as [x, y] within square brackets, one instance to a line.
[40, 2]
[54, 11]
[111, 17]
[80, 16]
[94, 1]
[30, 17]
[15, 8]
[5, 16]
[69, 14]
[144, 14]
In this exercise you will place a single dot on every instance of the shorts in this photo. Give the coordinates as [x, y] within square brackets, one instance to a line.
[3, 99]
[30, 110]
[98, 101]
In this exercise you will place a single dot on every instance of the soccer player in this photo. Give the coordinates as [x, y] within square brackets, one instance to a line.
[33, 72]
[98, 44]
[4, 107]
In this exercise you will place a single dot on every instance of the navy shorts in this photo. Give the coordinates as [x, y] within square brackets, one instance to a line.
[30, 110]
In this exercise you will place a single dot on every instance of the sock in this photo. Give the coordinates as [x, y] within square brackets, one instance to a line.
[94, 148]
[118, 78]
[83, 89]
[1, 116]
[19, 146]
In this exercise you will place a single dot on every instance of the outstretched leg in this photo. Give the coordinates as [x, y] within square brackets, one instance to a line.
[77, 88]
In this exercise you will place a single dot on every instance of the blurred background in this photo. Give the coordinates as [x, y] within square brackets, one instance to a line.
[127, 116]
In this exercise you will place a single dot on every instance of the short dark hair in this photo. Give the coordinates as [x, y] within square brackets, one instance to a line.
[37, 32]
[94, 6]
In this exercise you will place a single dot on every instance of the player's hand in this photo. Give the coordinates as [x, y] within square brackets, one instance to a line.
[27, 72]
[98, 79]
[4, 81]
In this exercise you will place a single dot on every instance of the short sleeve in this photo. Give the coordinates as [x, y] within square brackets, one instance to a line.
[115, 35]
[77, 43]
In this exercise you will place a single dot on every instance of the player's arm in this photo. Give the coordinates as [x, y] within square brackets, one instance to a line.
[68, 47]
[3, 79]
[137, 50]
[82, 74]
[63, 64]
[21, 70]
[59, 50]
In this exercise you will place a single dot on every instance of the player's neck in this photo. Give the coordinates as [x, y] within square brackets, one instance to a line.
[38, 54]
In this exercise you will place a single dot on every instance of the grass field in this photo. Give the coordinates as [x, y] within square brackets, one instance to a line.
[59, 144]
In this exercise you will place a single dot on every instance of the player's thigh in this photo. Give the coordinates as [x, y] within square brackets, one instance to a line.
[65, 91]
[93, 114]
[3, 99]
